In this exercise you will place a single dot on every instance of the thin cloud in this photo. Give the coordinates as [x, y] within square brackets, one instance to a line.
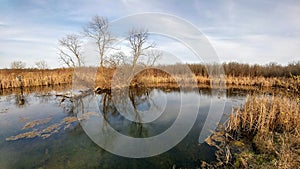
[260, 49]
[244, 31]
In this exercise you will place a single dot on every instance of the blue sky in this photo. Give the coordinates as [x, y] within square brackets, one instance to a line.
[259, 31]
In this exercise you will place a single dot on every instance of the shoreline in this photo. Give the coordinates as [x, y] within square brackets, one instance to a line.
[16, 78]
[10, 82]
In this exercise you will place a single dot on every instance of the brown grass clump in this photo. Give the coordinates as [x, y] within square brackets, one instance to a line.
[36, 122]
[34, 77]
[266, 114]
[44, 132]
[30, 134]
[272, 123]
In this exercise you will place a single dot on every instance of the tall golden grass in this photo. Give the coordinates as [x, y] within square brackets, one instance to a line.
[35, 77]
[272, 123]
[266, 113]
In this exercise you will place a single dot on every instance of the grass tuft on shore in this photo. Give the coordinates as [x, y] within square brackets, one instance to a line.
[272, 125]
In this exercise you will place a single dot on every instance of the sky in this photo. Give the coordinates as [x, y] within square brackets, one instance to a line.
[255, 32]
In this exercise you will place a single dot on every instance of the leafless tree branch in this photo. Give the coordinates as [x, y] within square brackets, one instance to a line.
[18, 65]
[70, 50]
[41, 64]
[98, 30]
[151, 57]
[138, 39]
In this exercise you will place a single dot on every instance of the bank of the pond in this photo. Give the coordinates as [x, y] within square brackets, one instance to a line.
[14, 78]
[263, 133]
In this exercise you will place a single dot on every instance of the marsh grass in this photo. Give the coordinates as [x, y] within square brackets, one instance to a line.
[266, 114]
[34, 77]
[272, 124]
[150, 77]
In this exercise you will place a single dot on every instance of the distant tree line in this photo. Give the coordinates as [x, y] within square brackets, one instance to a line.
[240, 69]
[231, 69]
[22, 65]
[268, 70]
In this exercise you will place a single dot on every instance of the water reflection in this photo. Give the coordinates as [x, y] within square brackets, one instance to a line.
[173, 114]
[37, 90]
[72, 148]
[138, 99]
[20, 99]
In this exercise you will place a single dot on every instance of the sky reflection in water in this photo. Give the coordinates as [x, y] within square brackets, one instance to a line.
[72, 148]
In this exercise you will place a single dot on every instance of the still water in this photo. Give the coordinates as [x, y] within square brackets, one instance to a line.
[45, 130]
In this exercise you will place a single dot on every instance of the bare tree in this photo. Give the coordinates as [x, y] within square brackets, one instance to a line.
[138, 40]
[151, 57]
[98, 30]
[70, 50]
[41, 64]
[116, 59]
[18, 65]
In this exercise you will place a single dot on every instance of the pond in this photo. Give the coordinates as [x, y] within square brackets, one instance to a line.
[45, 130]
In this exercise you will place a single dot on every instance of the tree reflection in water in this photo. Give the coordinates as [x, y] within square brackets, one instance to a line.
[137, 98]
[20, 99]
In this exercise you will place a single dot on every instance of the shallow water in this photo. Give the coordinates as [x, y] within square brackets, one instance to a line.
[59, 140]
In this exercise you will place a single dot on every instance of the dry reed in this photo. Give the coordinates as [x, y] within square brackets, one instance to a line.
[35, 77]
[273, 125]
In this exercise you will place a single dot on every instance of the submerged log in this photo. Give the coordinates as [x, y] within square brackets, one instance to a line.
[99, 90]
[73, 97]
